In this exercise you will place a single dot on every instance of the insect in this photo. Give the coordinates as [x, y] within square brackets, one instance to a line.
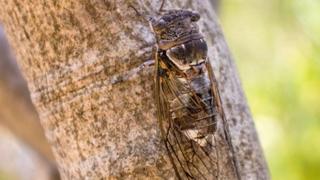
[186, 93]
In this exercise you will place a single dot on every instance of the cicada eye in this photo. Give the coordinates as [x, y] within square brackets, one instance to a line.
[161, 23]
[195, 16]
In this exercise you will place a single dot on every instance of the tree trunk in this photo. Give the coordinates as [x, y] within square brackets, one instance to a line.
[17, 112]
[73, 54]
[215, 5]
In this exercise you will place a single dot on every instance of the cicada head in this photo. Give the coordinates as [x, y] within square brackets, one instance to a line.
[174, 24]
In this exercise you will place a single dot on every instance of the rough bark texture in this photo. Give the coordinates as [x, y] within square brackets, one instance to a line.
[17, 112]
[72, 53]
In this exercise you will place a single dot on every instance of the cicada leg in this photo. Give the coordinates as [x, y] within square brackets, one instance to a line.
[118, 78]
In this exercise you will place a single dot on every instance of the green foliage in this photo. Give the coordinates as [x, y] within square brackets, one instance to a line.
[276, 47]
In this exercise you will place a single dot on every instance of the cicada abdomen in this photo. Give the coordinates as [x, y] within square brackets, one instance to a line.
[187, 97]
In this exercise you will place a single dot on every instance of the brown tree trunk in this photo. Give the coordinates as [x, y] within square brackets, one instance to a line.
[73, 53]
[17, 112]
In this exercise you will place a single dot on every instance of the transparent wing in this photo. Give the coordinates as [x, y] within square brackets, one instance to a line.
[218, 104]
[191, 159]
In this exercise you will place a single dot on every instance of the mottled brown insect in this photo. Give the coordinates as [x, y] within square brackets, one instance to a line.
[187, 96]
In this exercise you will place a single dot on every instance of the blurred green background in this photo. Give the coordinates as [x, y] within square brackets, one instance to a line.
[276, 46]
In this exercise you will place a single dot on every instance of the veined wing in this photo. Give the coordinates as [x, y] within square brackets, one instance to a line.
[218, 104]
[186, 124]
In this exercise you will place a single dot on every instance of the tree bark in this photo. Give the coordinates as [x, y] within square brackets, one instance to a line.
[215, 5]
[18, 113]
[99, 125]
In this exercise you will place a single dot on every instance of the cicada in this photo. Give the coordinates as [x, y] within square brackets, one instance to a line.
[186, 93]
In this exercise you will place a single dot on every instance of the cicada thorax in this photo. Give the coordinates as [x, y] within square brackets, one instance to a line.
[192, 108]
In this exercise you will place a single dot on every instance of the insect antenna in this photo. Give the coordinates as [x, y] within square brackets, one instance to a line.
[161, 6]
[138, 13]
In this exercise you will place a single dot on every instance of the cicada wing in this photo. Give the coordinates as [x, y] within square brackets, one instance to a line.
[164, 119]
[189, 159]
[215, 89]
[218, 103]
